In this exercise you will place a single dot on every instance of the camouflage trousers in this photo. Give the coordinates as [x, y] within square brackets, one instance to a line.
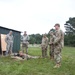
[25, 48]
[9, 48]
[57, 54]
[51, 52]
[44, 52]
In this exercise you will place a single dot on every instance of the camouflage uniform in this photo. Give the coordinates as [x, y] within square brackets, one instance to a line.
[25, 39]
[9, 41]
[44, 46]
[58, 45]
[51, 48]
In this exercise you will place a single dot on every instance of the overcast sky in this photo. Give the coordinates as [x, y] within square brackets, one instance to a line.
[35, 16]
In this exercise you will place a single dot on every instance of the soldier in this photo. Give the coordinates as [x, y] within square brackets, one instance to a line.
[58, 45]
[25, 39]
[9, 41]
[44, 46]
[52, 37]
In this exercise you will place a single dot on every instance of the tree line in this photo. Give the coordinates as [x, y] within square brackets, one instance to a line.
[69, 39]
[70, 32]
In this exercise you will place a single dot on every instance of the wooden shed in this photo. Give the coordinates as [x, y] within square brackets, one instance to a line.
[17, 36]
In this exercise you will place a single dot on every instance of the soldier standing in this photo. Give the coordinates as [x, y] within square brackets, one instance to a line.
[51, 46]
[25, 39]
[58, 44]
[44, 45]
[9, 41]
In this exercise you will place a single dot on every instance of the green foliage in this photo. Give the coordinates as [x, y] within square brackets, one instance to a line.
[70, 26]
[35, 38]
[39, 66]
[70, 40]
[38, 38]
[70, 32]
[32, 39]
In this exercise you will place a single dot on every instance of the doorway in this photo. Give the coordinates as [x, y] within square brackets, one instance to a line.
[2, 43]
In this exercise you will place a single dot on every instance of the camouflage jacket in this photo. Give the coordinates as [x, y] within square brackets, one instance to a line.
[59, 38]
[44, 42]
[25, 39]
[9, 39]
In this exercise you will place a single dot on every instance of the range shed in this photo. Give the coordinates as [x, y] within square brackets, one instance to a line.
[16, 34]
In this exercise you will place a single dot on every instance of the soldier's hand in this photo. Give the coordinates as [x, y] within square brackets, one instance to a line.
[51, 34]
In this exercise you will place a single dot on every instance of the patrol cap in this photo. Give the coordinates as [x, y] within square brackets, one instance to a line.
[57, 24]
[44, 34]
[11, 31]
[25, 31]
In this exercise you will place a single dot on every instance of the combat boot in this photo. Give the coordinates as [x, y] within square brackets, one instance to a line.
[57, 66]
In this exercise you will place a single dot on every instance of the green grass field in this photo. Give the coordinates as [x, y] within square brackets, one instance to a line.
[39, 66]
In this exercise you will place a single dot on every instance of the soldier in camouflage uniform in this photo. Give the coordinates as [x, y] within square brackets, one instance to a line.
[9, 41]
[44, 46]
[58, 45]
[25, 39]
[51, 46]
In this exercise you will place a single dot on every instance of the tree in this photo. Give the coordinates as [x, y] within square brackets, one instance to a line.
[70, 26]
[38, 38]
[32, 40]
[35, 38]
[70, 32]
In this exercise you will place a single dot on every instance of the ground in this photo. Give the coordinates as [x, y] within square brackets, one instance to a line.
[39, 66]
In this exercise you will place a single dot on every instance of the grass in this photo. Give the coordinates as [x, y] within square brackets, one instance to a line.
[39, 66]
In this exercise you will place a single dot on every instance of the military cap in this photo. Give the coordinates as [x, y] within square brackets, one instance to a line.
[57, 24]
[44, 34]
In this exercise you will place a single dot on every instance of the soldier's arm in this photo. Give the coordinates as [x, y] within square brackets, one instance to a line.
[12, 38]
[62, 39]
[57, 38]
[41, 43]
[50, 41]
[21, 38]
[6, 39]
[47, 42]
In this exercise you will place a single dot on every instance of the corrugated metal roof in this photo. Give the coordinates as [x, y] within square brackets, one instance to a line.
[10, 29]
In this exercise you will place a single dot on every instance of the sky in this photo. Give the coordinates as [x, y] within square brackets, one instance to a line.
[35, 16]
